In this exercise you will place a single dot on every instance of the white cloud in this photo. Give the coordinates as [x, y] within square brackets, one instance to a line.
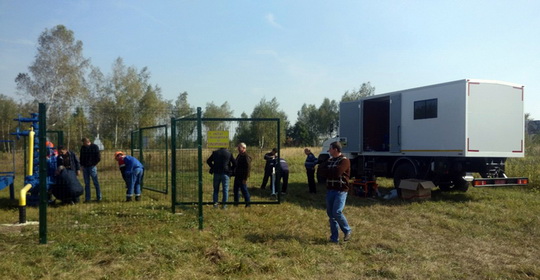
[272, 20]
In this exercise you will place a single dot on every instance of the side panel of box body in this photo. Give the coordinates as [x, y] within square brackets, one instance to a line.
[442, 134]
[495, 119]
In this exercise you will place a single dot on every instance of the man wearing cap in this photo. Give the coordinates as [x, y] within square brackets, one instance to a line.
[121, 166]
[134, 174]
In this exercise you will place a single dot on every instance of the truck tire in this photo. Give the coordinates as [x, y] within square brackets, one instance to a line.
[445, 187]
[404, 171]
[460, 184]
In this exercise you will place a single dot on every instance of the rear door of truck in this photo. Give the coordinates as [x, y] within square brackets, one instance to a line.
[495, 119]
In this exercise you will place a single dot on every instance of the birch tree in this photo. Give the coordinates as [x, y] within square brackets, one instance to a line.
[56, 76]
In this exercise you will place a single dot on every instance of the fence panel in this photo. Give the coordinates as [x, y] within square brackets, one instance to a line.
[262, 133]
[152, 148]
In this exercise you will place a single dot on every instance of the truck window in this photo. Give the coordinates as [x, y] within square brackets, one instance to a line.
[425, 109]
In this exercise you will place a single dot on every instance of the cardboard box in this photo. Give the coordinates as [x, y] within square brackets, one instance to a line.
[416, 189]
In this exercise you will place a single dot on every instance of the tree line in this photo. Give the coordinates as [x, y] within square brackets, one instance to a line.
[83, 101]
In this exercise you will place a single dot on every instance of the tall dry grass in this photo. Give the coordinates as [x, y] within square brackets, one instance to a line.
[486, 233]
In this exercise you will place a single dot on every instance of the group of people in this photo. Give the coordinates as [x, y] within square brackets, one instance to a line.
[223, 165]
[66, 166]
[272, 160]
[335, 170]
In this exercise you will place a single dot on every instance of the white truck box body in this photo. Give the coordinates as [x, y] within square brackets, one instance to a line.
[473, 118]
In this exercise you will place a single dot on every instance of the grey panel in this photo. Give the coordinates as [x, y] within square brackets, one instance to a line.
[350, 125]
[395, 123]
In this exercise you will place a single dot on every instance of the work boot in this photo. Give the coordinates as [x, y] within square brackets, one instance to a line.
[129, 198]
[138, 198]
[347, 236]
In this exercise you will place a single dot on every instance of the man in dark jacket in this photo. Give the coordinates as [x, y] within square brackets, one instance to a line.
[310, 163]
[67, 187]
[269, 167]
[90, 157]
[241, 174]
[283, 174]
[221, 163]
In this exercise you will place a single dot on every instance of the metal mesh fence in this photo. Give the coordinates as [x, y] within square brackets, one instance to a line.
[186, 163]
[64, 217]
[7, 167]
[152, 146]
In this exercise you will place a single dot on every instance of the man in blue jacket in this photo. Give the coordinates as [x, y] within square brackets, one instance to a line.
[310, 163]
[134, 171]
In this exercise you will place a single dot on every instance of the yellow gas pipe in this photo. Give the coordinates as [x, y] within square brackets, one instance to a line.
[30, 163]
[22, 200]
[29, 172]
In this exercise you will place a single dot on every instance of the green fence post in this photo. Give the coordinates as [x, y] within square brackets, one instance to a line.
[173, 164]
[166, 159]
[141, 156]
[132, 146]
[42, 136]
[199, 144]
[278, 165]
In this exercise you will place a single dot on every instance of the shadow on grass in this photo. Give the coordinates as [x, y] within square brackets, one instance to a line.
[6, 203]
[269, 238]
[299, 195]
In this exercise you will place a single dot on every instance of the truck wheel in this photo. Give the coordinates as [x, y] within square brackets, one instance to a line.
[445, 187]
[403, 171]
[460, 184]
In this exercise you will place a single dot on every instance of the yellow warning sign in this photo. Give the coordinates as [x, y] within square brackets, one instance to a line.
[218, 139]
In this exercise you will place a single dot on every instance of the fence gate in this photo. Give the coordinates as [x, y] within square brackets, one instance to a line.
[150, 145]
[193, 140]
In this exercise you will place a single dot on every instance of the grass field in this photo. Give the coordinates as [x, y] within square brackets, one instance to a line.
[485, 233]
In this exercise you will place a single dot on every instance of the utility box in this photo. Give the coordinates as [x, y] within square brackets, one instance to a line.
[416, 189]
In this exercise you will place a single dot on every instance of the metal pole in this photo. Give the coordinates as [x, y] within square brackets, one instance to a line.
[277, 164]
[43, 192]
[12, 185]
[166, 160]
[199, 144]
[61, 138]
[173, 165]
[141, 156]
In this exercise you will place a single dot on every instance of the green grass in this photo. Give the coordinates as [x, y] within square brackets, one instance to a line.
[485, 233]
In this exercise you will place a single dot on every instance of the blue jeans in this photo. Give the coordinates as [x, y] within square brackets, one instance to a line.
[240, 186]
[134, 182]
[90, 171]
[224, 180]
[335, 202]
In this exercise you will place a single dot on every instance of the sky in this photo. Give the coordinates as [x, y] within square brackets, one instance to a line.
[299, 52]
